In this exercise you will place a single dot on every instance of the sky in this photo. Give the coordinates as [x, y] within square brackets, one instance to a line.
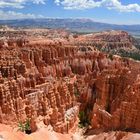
[107, 11]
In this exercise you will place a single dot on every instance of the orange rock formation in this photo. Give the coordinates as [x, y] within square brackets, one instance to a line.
[49, 78]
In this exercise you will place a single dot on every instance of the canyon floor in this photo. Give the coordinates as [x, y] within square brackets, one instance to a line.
[59, 85]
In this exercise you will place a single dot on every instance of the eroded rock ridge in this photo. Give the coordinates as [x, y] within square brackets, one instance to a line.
[55, 79]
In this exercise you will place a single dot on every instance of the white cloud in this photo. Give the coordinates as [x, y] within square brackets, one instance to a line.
[14, 15]
[88, 4]
[19, 3]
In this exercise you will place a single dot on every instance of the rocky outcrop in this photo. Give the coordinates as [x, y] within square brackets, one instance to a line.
[38, 82]
[106, 39]
[116, 105]
[52, 80]
[114, 135]
[113, 42]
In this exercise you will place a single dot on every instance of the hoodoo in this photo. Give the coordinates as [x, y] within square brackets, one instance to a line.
[50, 84]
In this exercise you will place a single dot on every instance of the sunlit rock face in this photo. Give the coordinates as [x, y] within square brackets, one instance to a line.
[115, 135]
[36, 80]
[53, 80]
[107, 40]
[114, 42]
[116, 105]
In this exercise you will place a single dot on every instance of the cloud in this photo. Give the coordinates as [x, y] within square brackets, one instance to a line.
[16, 15]
[89, 4]
[19, 3]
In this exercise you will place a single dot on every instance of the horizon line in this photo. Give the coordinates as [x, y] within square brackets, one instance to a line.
[91, 19]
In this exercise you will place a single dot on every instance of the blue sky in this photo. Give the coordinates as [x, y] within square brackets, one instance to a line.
[109, 11]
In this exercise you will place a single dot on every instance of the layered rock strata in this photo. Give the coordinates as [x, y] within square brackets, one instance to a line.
[48, 79]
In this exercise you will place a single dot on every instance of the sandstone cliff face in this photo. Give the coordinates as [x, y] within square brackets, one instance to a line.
[116, 105]
[35, 80]
[47, 80]
[107, 40]
[115, 135]
[113, 42]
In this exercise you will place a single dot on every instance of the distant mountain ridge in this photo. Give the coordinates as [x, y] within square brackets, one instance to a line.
[79, 25]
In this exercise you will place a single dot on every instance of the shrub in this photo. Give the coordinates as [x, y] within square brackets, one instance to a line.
[84, 120]
[21, 126]
[25, 127]
[76, 92]
[111, 56]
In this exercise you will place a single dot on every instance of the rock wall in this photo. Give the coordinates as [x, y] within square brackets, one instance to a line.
[117, 101]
